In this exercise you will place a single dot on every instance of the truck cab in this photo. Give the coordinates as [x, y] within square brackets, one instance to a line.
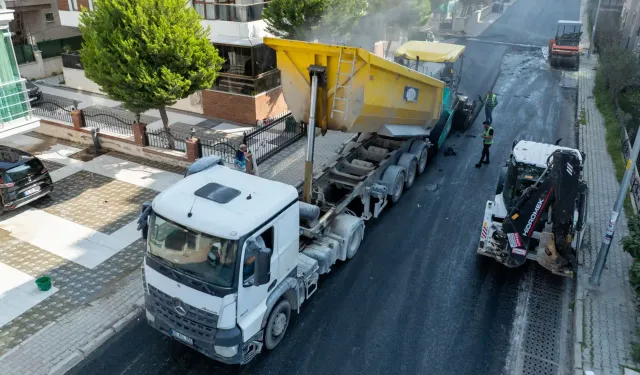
[218, 243]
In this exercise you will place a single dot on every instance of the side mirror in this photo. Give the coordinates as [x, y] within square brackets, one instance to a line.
[142, 221]
[558, 141]
[262, 270]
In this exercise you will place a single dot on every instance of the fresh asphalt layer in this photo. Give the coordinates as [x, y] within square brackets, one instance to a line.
[416, 299]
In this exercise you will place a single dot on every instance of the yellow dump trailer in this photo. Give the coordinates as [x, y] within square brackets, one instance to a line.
[363, 92]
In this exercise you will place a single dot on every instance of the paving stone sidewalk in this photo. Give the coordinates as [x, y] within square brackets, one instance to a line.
[605, 319]
[83, 236]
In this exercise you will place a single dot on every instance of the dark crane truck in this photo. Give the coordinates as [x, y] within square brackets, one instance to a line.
[540, 208]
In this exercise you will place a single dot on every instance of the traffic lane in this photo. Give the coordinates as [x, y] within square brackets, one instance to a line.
[481, 67]
[417, 298]
[532, 21]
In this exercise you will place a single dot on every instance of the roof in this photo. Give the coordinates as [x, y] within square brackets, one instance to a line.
[430, 51]
[565, 22]
[230, 220]
[534, 153]
[12, 157]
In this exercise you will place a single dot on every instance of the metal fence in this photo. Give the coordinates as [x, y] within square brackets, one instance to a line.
[278, 133]
[626, 151]
[52, 108]
[107, 122]
[220, 147]
[164, 139]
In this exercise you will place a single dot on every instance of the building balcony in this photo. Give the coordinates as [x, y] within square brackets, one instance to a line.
[15, 109]
[213, 10]
[249, 86]
[229, 19]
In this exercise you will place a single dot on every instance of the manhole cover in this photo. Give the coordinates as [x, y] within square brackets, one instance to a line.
[432, 187]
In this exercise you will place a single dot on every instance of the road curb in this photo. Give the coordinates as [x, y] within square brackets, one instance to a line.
[78, 355]
[578, 323]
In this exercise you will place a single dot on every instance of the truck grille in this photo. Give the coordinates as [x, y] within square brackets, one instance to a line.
[197, 323]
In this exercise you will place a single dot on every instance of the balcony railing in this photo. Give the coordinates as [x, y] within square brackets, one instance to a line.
[210, 10]
[14, 101]
[244, 85]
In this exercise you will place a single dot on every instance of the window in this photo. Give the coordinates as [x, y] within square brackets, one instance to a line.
[49, 17]
[264, 240]
[74, 5]
[247, 70]
[228, 10]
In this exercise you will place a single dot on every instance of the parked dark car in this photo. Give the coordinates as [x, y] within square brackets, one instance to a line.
[23, 179]
[35, 94]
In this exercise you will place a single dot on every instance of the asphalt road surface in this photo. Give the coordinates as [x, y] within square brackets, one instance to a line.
[416, 299]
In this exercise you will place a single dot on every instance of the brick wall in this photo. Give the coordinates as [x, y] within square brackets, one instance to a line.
[63, 5]
[270, 104]
[222, 105]
[243, 109]
[83, 3]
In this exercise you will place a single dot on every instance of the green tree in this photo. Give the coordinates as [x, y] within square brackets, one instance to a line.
[341, 17]
[147, 53]
[293, 19]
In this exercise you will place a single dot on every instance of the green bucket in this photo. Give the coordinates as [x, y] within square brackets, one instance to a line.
[43, 283]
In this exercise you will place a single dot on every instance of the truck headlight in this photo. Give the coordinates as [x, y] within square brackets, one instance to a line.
[226, 351]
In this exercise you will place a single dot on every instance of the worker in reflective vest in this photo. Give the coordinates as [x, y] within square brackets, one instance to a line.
[490, 102]
[487, 141]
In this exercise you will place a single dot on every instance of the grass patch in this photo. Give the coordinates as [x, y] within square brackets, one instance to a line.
[608, 111]
[583, 116]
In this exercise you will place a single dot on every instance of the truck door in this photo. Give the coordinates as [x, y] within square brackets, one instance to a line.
[251, 298]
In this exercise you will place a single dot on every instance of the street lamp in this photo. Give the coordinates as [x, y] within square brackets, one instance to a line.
[593, 31]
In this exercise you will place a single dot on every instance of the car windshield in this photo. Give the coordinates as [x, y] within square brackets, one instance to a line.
[209, 258]
[15, 174]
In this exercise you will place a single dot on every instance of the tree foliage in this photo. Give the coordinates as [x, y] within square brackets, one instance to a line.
[147, 53]
[403, 14]
[293, 19]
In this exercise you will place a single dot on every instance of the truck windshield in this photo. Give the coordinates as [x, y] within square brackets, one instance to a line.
[209, 258]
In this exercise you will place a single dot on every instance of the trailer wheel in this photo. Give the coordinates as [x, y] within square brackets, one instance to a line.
[277, 324]
[394, 179]
[420, 150]
[354, 242]
[410, 164]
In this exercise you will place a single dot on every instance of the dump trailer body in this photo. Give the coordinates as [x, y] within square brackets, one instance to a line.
[372, 93]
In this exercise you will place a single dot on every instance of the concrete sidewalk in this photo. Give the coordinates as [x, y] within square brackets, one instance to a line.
[605, 320]
[86, 241]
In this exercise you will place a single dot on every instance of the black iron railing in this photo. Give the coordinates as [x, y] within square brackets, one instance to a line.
[50, 107]
[171, 139]
[107, 122]
[221, 148]
[273, 137]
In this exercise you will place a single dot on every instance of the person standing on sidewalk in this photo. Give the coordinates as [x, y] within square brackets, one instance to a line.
[487, 140]
[490, 102]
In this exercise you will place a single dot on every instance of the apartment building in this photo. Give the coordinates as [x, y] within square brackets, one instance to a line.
[39, 38]
[630, 26]
[15, 109]
[248, 88]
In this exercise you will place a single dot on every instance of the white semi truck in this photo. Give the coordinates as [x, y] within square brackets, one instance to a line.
[230, 256]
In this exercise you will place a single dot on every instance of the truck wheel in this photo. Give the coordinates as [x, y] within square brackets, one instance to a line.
[277, 324]
[354, 242]
[420, 150]
[394, 179]
[409, 163]
[351, 229]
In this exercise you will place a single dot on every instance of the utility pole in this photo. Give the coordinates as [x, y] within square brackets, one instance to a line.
[593, 31]
[594, 280]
